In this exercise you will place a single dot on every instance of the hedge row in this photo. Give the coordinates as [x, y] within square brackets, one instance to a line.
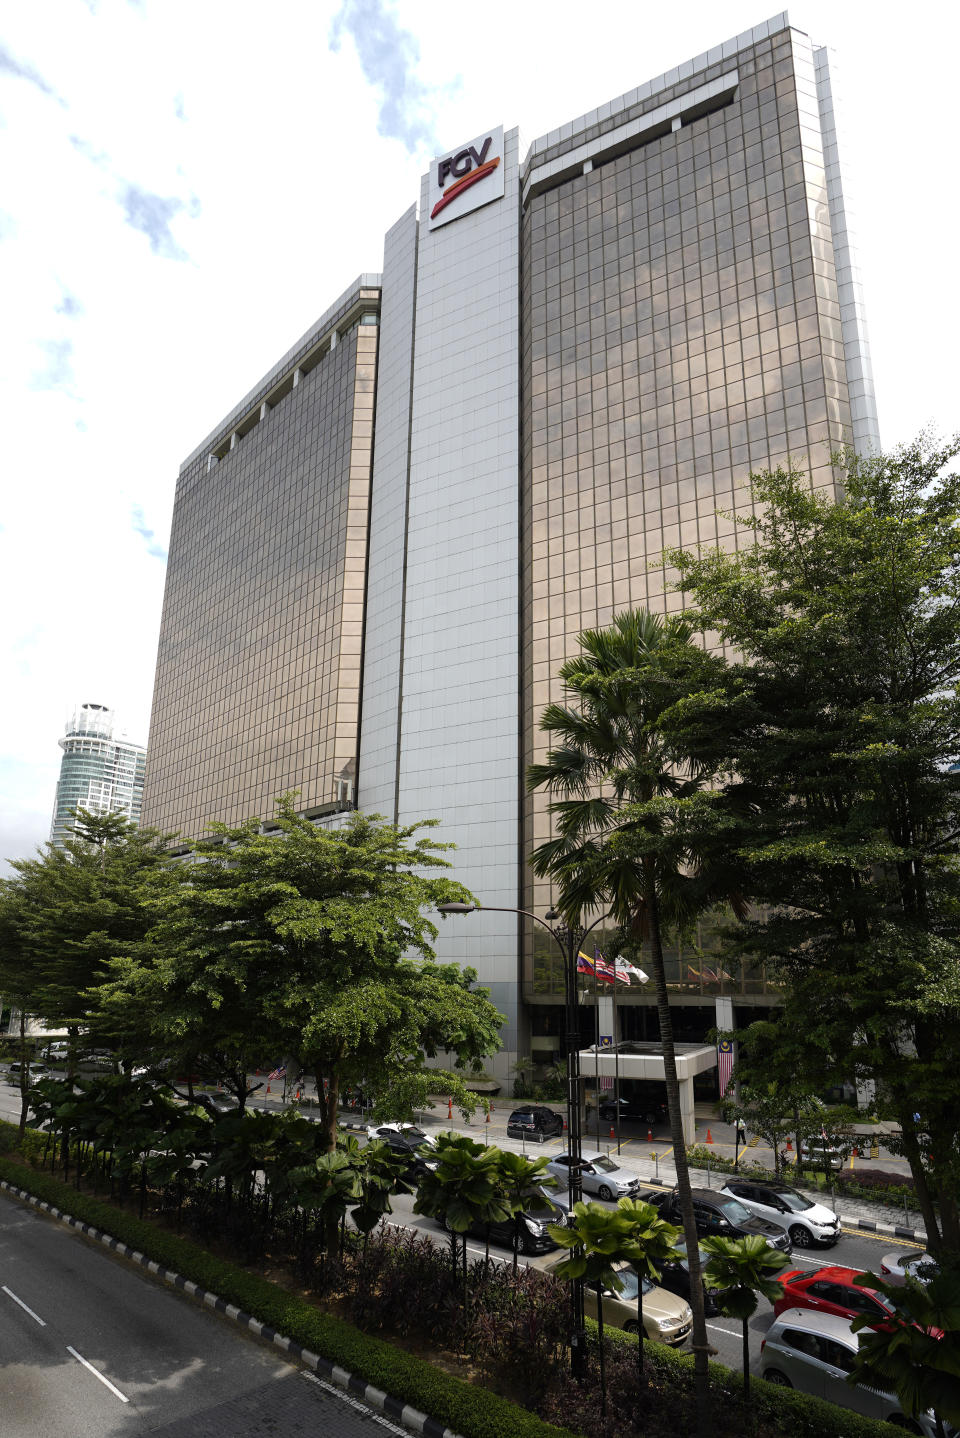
[469, 1410]
[466, 1409]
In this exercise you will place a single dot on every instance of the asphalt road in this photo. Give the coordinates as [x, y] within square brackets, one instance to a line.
[854, 1250]
[92, 1349]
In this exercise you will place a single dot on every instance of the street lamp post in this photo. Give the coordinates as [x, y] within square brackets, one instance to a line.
[569, 940]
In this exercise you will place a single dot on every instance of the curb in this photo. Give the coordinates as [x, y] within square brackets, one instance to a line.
[376, 1399]
[895, 1230]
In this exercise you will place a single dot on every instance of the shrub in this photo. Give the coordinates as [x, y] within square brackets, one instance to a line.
[875, 1178]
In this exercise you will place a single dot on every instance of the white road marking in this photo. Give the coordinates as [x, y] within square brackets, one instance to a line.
[33, 1315]
[360, 1407]
[732, 1331]
[105, 1381]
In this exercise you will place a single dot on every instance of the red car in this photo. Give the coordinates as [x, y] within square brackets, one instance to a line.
[832, 1290]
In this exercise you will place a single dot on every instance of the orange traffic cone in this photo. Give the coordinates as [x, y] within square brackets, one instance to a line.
[612, 1134]
[564, 1125]
[789, 1146]
[649, 1135]
[449, 1108]
[488, 1115]
[709, 1136]
[268, 1088]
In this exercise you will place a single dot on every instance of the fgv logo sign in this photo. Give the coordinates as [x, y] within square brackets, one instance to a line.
[467, 178]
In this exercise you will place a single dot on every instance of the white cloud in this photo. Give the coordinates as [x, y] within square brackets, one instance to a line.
[187, 186]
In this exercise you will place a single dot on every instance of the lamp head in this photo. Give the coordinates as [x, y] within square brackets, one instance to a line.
[456, 908]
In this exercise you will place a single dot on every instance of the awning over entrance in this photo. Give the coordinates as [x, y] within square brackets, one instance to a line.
[634, 1060]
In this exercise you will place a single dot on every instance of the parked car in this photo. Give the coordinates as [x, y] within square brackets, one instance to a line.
[600, 1174]
[408, 1141]
[807, 1223]
[821, 1153]
[640, 1107]
[666, 1318]
[725, 1216]
[408, 1131]
[832, 1290]
[35, 1072]
[675, 1278]
[535, 1122]
[814, 1352]
[217, 1104]
[899, 1266]
[56, 1052]
[535, 1236]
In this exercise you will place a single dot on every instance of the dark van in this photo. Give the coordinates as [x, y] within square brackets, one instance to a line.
[535, 1122]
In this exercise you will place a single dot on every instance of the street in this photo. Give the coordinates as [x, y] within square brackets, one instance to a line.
[90, 1348]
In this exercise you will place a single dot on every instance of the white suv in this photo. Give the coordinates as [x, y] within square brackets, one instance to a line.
[807, 1223]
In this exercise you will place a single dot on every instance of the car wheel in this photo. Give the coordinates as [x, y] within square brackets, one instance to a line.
[778, 1379]
[604, 1192]
[800, 1237]
[631, 1327]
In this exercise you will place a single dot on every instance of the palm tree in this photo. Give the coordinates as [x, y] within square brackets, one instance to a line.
[633, 829]
[906, 1355]
[520, 1179]
[462, 1190]
[601, 1238]
[653, 1241]
[741, 1268]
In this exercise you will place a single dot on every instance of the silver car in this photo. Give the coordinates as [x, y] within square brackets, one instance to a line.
[897, 1267]
[807, 1222]
[814, 1352]
[601, 1175]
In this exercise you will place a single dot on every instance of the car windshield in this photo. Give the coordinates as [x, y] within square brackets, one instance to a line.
[628, 1277]
[604, 1165]
[542, 1209]
[733, 1209]
[794, 1201]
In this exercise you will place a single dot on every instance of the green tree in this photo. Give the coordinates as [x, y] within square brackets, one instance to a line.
[905, 1356]
[633, 829]
[77, 906]
[839, 729]
[601, 1239]
[462, 1190]
[742, 1268]
[653, 1241]
[519, 1181]
[313, 943]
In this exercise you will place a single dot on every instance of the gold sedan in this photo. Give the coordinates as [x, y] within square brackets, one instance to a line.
[666, 1318]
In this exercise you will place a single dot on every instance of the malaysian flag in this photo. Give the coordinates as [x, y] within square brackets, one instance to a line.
[724, 1063]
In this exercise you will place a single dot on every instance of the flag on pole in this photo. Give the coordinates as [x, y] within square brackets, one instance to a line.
[627, 973]
[278, 1073]
[605, 972]
[724, 1063]
[584, 964]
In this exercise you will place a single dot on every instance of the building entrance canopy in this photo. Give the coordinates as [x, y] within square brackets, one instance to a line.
[633, 1060]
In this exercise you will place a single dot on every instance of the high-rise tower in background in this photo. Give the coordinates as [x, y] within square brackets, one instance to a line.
[575, 356]
[97, 772]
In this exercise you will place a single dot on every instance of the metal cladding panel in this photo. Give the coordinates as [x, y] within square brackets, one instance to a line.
[459, 756]
[383, 638]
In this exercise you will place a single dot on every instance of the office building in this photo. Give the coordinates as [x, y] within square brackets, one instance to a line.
[574, 356]
[98, 771]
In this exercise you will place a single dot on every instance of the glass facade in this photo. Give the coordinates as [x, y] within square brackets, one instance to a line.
[97, 772]
[681, 328]
[258, 670]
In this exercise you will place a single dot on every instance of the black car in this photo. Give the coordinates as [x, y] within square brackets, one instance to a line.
[534, 1234]
[409, 1142]
[535, 1122]
[640, 1108]
[723, 1215]
[675, 1278]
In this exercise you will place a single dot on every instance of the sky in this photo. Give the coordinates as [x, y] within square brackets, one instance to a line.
[188, 184]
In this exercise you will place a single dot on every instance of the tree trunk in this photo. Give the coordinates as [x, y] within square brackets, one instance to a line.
[699, 1341]
[911, 1150]
[641, 1383]
[746, 1365]
[24, 1079]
